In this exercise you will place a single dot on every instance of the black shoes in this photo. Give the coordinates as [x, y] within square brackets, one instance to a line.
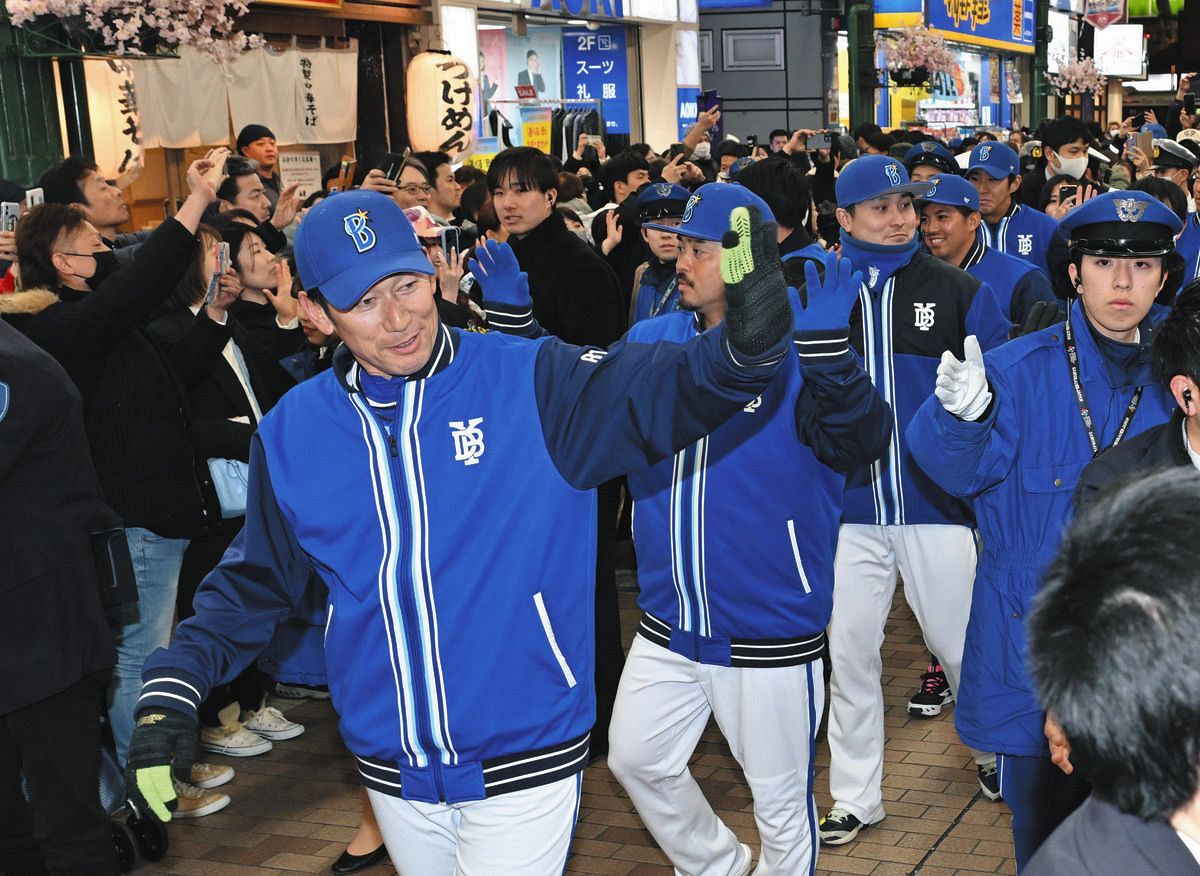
[349, 863]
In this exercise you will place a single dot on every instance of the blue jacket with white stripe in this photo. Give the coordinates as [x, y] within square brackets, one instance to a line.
[735, 535]
[451, 515]
[901, 330]
[1188, 247]
[1019, 465]
[1015, 283]
[1023, 232]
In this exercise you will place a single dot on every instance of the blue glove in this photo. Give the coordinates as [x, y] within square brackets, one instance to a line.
[829, 303]
[503, 282]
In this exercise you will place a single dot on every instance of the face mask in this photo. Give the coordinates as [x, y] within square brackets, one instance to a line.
[106, 266]
[703, 151]
[1112, 132]
[1075, 167]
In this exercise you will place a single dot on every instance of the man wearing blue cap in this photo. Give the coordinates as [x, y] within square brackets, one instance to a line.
[735, 539]
[950, 228]
[895, 520]
[459, 655]
[1008, 227]
[1012, 432]
[655, 289]
[925, 160]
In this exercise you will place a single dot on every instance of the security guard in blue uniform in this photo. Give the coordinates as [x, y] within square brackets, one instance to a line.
[655, 290]
[924, 160]
[1012, 431]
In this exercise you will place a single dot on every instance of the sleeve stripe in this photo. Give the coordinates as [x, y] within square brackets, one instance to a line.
[153, 695]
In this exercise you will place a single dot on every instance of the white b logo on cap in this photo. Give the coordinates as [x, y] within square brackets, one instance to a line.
[357, 229]
[984, 152]
[893, 173]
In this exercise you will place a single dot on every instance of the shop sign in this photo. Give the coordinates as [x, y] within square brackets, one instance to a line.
[116, 124]
[607, 8]
[486, 149]
[303, 167]
[595, 68]
[999, 24]
[535, 127]
[1101, 13]
[688, 100]
[441, 105]
[899, 13]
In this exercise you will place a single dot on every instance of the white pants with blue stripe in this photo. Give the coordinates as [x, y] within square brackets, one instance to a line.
[525, 833]
[769, 718]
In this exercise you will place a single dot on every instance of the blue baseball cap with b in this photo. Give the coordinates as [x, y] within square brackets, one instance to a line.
[351, 240]
[874, 176]
[952, 190]
[706, 216]
[997, 160]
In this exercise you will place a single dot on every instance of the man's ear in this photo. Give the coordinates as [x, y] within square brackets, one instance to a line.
[844, 219]
[1181, 384]
[223, 206]
[316, 314]
[973, 221]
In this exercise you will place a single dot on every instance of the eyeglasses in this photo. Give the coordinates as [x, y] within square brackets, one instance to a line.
[416, 188]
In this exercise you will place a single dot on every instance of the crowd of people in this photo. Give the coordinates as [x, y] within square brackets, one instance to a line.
[379, 447]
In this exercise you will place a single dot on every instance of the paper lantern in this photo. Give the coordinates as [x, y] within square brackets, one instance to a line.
[441, 105]
[116, 126]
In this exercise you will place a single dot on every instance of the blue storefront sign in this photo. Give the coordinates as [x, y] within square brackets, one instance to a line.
[608, 8]
[687, 100]
[996, 24]
[595, 68]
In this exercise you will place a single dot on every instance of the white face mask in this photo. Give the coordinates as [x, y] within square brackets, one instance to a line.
[1075, 167]
[703, 151]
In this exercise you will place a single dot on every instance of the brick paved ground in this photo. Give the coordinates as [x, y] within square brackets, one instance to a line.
[294, 809]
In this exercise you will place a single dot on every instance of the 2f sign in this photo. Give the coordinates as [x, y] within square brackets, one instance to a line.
[587, 42]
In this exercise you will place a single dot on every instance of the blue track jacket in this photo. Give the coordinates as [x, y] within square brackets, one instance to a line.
[1019, 466]
[1023, 232]
[452, 516]
[1017, 284]
[735, 535]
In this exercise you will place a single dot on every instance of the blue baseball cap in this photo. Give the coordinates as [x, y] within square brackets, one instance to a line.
[1159, 132]
[932, 153]
[997, 160]
[874, 176]
[1122, 224]
[952, 190]
[706, 216]
[661, 199]
[351, 240]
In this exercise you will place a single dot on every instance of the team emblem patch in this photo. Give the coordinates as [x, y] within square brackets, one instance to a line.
[691, 205]
[984, 152]
[924, 315]
[663, 190]
[4, 396]
[893, 173]
[872, 276]
[1024, 244]
[753, 406]
[468, 440]
[356, 228]
[1130, 209]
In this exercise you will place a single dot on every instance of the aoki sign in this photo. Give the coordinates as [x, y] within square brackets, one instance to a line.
[606, 8]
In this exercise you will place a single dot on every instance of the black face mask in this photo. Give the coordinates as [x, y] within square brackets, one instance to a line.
[106, 266]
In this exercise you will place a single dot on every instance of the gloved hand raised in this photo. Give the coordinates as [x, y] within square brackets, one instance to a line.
[757, 313]
[161, 740]
[496, 271]
[962, 387]
[829, 303]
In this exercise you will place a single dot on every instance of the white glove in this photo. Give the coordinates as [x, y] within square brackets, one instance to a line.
[962, 387]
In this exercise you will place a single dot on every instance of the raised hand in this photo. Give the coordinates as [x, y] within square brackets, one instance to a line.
[757, 313]
[962, 387]
[497, 272]
[829, 302]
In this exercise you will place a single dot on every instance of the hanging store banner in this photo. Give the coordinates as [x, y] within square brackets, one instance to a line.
[595, 68]
[1101, 13]
[116, 124]
[995, 24]
[441, 105]
[687, 99]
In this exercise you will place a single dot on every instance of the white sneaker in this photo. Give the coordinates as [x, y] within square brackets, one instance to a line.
[270, 723]
[210, 775]
[193, 802]
[744, 869]
[301, 691]
[233, 740]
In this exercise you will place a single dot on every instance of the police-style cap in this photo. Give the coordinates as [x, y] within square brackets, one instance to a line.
[931, 153]
[1168, 153]
[950, 189]
[661, 199]
[997, 160]
[706, 216]
[1122, 224]
[874, 176]
[351, 240]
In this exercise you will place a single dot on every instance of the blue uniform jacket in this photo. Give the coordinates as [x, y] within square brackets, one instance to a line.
[735, 535]
[900, 330]
[657, 291]
[1019, 466]
[1188, 246]
[451, 515]
[1024, 232]
[1017, 284]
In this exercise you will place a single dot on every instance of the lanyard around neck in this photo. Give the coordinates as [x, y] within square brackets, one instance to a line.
[1085, 413]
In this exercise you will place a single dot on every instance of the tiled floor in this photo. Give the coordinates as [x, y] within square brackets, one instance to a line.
[294, 809]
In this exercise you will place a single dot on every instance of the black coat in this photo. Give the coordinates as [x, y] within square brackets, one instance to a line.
[1157, 448]
[135, 404]
[52, 628]
[219, 396]
[576, 295]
